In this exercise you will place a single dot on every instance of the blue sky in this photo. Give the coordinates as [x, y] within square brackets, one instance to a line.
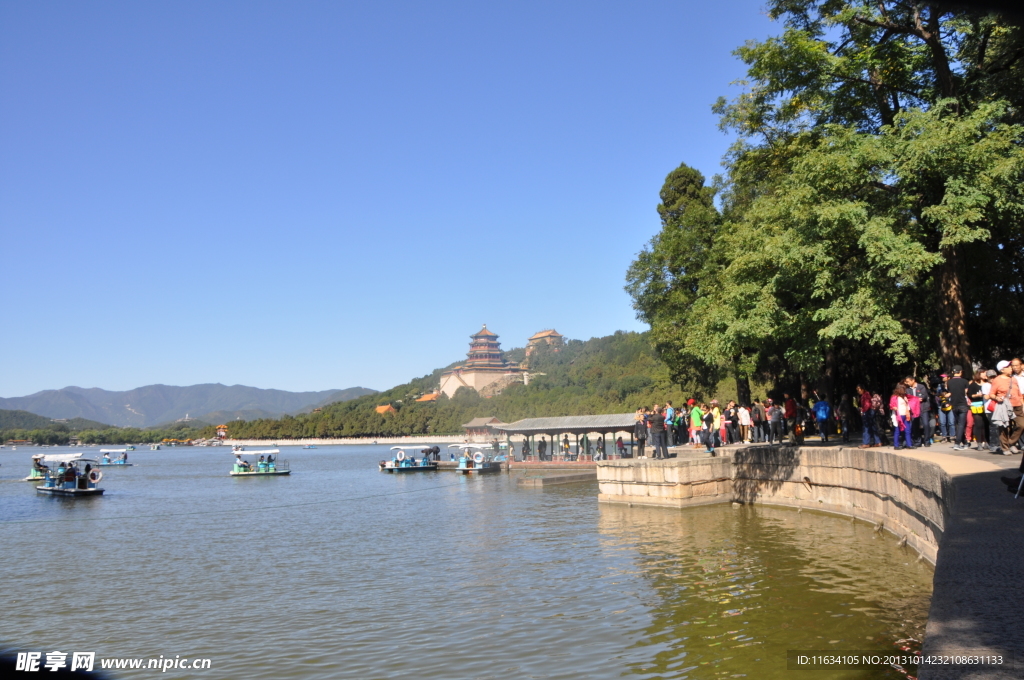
[327, 194]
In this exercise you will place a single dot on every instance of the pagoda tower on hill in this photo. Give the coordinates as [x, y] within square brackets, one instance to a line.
[485, 364]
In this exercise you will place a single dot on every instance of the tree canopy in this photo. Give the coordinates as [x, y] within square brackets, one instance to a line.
[871, 214]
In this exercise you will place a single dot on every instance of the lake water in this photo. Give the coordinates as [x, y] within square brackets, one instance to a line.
[341, 571]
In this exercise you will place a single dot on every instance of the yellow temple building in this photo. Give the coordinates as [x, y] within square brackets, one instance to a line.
[485, 365]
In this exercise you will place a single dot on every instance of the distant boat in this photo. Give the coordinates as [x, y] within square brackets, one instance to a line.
[309, 446]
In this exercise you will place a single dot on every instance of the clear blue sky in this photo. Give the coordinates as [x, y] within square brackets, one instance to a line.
[327, 194]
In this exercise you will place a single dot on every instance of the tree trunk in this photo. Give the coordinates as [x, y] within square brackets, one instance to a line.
[953, 341]
[742, 389]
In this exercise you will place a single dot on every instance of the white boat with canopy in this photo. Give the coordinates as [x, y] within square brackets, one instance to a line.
[41, 464]
[267, 465]
[71, 475]
[477, 459]
[120, 461]
[404, 458]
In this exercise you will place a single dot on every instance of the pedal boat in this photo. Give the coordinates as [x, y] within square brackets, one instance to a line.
[260, 468]
[404, 461]
[120, 461]
[71, 482]
[474, 461]
[41, 463]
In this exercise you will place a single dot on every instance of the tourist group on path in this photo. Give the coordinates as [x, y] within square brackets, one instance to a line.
[984, 412]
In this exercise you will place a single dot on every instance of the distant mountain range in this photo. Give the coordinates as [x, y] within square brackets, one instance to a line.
[161, 404]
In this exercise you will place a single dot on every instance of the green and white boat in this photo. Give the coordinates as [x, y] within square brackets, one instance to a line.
[268, 464]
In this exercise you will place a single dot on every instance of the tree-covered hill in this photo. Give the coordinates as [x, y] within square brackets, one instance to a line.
[30, 421]
[613, 374]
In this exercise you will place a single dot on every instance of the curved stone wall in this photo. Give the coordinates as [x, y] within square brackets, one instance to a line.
[908, 497]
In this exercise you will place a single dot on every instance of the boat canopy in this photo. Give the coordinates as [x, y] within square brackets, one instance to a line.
[251, 453]
[418, 447]
[63, 457]
[113, 450]
[469, 446]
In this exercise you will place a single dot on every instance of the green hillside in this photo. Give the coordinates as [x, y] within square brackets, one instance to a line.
[613, 374]
[30, 421]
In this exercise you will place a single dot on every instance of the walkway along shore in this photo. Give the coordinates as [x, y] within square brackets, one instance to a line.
[952, 509]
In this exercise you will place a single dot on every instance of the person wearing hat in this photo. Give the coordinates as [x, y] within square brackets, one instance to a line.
[1005, 387]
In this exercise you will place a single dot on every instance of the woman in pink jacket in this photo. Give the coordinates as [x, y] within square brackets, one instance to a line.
[903, 413]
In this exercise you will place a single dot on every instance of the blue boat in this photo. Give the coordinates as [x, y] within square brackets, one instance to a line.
[267, 465]
[475, 459]
[70, 480]
[120, 461]
[404, 459]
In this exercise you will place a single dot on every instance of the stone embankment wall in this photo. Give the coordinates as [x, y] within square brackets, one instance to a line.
[910, 498]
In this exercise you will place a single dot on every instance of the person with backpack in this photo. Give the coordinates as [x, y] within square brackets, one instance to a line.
[867, 415]
[774, 422]
[822, 416]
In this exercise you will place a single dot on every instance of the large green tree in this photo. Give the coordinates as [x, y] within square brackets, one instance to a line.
[872, 210]
[860, 65]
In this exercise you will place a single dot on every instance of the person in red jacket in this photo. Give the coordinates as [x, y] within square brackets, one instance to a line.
[789, 413]
[867, 415]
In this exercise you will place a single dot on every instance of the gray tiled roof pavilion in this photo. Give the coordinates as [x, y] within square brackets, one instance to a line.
[613, 422]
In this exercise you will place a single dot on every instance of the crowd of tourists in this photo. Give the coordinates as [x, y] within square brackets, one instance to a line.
[983, 411]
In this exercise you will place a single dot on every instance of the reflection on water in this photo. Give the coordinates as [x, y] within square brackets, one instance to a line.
[342, 571]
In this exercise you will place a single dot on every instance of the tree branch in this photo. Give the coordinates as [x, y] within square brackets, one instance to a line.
[879, 84]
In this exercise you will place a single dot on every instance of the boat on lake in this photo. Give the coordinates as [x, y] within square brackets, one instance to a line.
[309, 446]
[120, 461]
[267, 466]
[72, 476]
[154, 447]
[404, 459]
[475, 459]
[41, 464]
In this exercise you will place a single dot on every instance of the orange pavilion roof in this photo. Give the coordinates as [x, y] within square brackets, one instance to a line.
[552, 333]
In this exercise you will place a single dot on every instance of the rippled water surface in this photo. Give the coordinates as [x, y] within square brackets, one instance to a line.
[340, 571]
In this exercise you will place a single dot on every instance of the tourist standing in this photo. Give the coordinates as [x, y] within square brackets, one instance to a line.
[775, 422]
[670, 423]
[745, 421]
[621, 447]
[867, 415]
[899, 405]
[707, 428]
[822, 416]
[789, 413]
[957, 387]
[697, 424]
[756, 421]
[924, 420]
[640, 432]
[657, 424]
[732, 422]
[977, 390]
[1005, 387]
[844, 414]
[947, 426]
